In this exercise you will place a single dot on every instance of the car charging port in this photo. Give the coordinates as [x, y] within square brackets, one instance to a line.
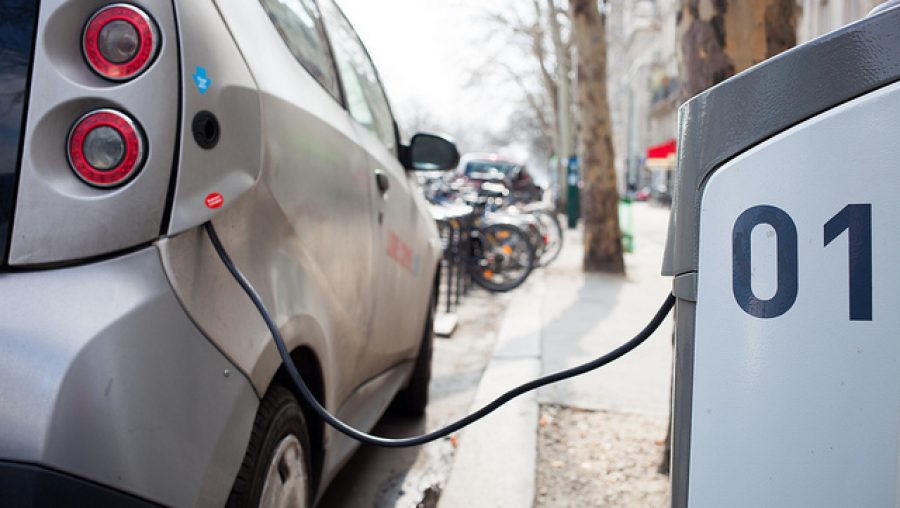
[205, 127]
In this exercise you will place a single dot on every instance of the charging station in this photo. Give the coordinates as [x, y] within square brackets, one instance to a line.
[784, 245]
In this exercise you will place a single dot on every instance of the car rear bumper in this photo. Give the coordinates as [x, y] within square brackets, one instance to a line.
[30, 486]
[105, 378]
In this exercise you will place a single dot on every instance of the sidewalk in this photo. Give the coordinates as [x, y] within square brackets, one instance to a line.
[560, 318]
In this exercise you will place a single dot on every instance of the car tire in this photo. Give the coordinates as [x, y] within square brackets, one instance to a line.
[276, 468]
[413, 399]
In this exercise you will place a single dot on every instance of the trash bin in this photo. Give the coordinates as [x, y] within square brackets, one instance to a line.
[783, 245]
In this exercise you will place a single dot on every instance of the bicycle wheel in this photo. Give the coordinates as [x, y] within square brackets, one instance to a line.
[502, 257]
[552, 233]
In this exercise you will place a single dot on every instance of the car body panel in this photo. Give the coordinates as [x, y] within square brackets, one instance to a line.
[405, 259]
[102, 375]
[216, 79]
[307, 236]
[362, 410]
[58, 218]
[302, 235]
[302, 218]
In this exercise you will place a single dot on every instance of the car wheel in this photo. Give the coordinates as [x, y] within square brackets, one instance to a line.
[275, 472]
[413, 399]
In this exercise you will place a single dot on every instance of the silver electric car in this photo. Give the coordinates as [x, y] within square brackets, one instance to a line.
[134, 371]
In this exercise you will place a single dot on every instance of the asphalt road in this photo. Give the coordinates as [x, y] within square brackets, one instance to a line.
[413, 477]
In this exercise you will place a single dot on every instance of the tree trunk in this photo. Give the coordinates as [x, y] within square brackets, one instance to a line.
[600, 196]
[719, 38]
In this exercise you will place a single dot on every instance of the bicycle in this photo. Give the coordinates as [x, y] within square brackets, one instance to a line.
[496, 251]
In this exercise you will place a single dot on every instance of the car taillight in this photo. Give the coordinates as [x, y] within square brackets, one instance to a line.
[120, 41]
[105, 148]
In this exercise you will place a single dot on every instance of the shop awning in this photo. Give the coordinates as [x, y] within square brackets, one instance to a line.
[662, 156]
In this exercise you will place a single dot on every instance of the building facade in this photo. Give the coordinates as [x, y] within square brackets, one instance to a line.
[643, 87]
[818, 17]
[643, 79]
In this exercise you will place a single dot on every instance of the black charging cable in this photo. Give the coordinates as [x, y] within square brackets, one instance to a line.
[364, 437]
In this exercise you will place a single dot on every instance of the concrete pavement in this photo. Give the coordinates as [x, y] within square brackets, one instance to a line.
[563, 317]
[494, 465]
[587, 315]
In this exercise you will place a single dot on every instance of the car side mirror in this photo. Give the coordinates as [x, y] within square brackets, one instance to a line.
[429, 152]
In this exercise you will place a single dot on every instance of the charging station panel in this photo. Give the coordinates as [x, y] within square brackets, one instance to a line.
[796, 368]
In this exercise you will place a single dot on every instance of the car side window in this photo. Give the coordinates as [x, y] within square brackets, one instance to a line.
[365, 97]
[300, 25]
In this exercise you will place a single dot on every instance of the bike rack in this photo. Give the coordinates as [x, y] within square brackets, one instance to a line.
[455, 232]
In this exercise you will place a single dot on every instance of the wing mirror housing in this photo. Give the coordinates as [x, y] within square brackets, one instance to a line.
[429, 152]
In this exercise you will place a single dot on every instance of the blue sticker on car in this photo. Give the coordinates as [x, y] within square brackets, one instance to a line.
[202, 80]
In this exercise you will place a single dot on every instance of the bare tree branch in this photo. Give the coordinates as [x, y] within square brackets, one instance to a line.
[535, 102]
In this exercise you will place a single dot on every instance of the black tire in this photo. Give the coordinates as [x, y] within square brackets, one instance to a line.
[536, 237]
[501, 271]
[278, 421]
[553, 240]
[412, 400]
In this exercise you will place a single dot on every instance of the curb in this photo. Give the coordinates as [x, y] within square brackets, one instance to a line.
[495, 462]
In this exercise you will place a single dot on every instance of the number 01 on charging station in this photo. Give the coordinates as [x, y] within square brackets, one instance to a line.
[855, 219]
[796, 352]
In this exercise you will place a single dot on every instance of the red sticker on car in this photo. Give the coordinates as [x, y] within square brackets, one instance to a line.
[402, 253]
[214, 200]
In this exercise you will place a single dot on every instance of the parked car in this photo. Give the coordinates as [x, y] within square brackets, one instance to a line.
[478, 168]
[643, 194]
[133, 369]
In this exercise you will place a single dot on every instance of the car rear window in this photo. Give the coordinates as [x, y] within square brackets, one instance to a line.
[489, 168]
[16, 40]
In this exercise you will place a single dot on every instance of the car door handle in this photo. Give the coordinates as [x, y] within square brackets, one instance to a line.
[382, 180]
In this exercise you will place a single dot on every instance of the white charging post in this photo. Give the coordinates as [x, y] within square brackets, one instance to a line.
[785, 247]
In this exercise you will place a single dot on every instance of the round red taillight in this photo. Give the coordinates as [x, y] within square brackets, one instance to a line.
[105, 148]
[120, 41]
